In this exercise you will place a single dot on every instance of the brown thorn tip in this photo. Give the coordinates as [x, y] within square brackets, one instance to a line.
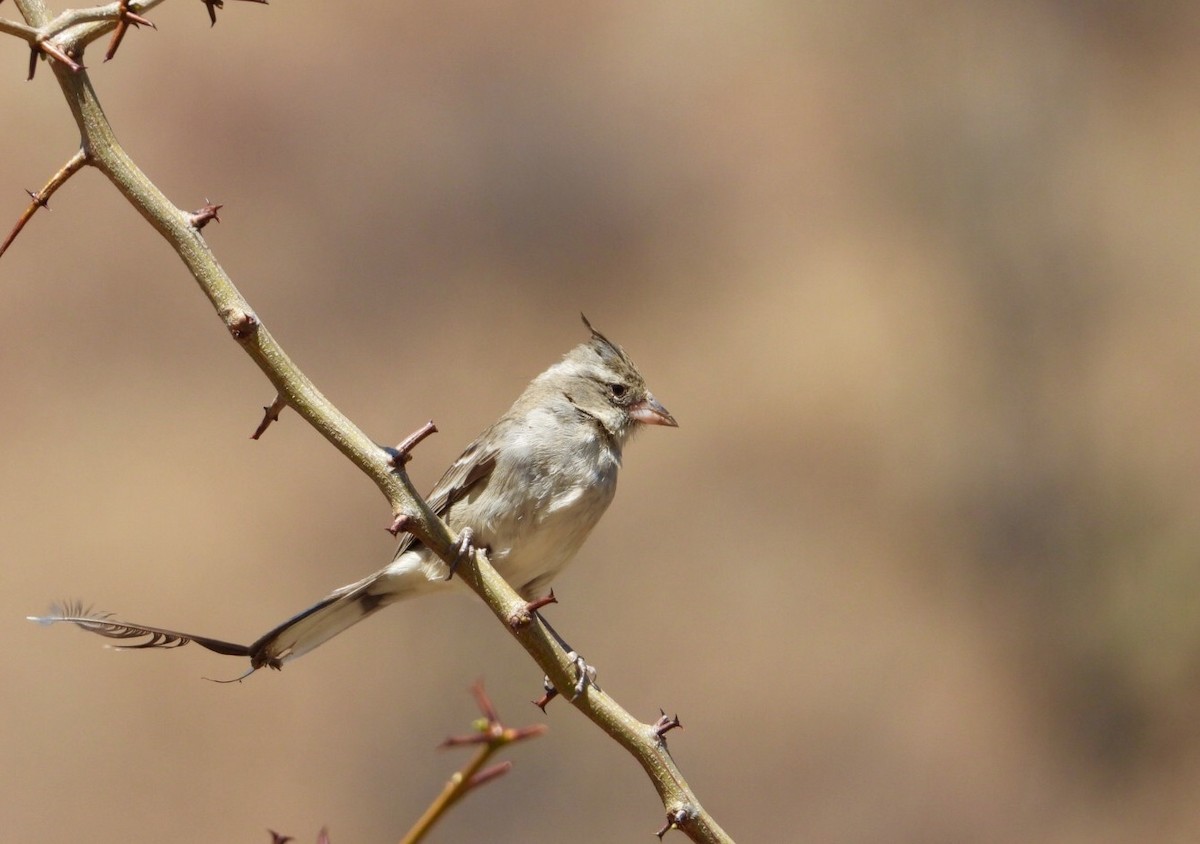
[538, 603]
[270, 414]
[118, 36]
[459, 741]
[37, 197]
[201, 217]
[665, 829]
[665, 724]
[54, 51]
[545, 699]
[402, 453]
[489, 774]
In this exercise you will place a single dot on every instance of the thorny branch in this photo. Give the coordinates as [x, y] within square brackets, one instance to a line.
[41, 199]
[63, 38]
[490, 737]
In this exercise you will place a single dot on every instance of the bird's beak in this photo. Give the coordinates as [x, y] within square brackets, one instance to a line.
[649, 412]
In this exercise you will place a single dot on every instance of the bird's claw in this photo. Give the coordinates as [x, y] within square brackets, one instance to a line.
[585, 675]
[463, 550]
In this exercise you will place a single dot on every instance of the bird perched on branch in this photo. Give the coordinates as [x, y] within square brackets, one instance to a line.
[528, 491]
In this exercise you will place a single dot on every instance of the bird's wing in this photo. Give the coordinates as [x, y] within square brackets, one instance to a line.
[473, 467]
[350, 604]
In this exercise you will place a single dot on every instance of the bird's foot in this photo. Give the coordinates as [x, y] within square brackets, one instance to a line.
[585, 675]
[465, 547]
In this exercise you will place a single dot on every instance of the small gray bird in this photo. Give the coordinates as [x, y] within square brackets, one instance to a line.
[528, 491]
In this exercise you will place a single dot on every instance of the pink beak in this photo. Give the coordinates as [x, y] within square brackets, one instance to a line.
[649, 412]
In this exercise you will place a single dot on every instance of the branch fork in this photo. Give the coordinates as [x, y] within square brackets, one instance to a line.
[63, 39]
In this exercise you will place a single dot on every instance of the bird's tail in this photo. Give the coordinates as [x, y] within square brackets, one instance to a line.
[327, 618]
[297, 636]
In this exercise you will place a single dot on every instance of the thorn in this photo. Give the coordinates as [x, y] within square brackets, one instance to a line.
[402, 453]
[137, 20]
[42, 198]
[489, 730]
[125, 18]
[243, 326]
[115, 42]
[459, 741]
[538, 603]
[33, 59]
[202, 216]
[532, 731]
[270, 414]
[399, 524]
[549, 694]
[523, 617]
[276, 838]
[53, 50]
[664, 724]
[675, 820]
[484, 703]
[213, 5]
[489, 774]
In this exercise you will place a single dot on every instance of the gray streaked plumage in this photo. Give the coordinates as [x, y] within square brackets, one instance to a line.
[530, 488]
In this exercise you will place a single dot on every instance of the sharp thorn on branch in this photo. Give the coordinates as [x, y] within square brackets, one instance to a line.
[54, 51]
[489, 774]
[549, 693]
[545, 601]
[115, 42]
[270, 414]
[523, 615]
[666, 723]
[213, 5]
[402, 453]
[201, 217]
[41, 199]
[486, 707]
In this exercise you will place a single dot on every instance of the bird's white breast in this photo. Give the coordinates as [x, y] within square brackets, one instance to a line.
[566, 474]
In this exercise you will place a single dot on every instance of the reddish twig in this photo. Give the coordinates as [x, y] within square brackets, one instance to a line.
[125, 19]
[47, 47]
[491, 736]
[402, 453]
[270, 414]
[41, 199]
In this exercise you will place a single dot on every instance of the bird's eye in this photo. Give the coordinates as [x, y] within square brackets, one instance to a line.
[617, 390]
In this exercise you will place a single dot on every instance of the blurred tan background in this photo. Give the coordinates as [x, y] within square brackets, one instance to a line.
[922, 562]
